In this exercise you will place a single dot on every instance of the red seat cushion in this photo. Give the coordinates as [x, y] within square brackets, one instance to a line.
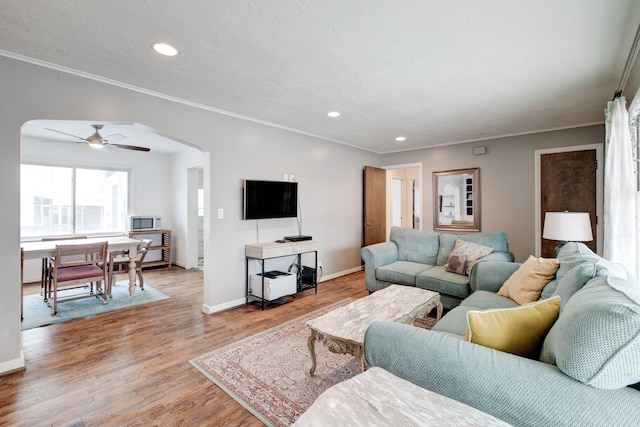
[74, 273]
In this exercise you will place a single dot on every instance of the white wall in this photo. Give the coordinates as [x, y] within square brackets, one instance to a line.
[183, 188]
[330, 177]
[507, 178]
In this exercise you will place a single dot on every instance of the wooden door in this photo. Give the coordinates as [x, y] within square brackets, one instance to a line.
[568, 183]
[375, 206]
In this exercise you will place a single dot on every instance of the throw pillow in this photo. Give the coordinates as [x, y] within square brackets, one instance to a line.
[472, 251]
[519, 330]
[596, 339]
[526, 283]
[457, 264]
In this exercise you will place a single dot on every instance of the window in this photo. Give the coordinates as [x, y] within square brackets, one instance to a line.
[58, 200]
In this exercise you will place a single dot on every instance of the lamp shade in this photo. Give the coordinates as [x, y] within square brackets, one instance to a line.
[567, 226]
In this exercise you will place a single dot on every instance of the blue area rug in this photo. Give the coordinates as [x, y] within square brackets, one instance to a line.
[38, 313]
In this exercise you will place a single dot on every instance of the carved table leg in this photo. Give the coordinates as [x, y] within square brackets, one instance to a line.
[363, 363]
[439, 311]
[311, 343]
[132, 276]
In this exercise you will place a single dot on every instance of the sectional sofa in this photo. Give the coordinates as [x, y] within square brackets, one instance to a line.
[584, 371]
[418, 258]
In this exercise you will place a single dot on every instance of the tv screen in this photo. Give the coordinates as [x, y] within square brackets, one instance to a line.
[270, 199]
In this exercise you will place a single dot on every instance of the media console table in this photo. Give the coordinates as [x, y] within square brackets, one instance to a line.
[264, 251]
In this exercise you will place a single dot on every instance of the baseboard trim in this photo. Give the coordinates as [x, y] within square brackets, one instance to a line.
[211, 309]
[12, 366]
[340, 274]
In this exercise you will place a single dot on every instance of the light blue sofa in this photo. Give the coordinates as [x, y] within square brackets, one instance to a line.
[417, 258]
[589, 367]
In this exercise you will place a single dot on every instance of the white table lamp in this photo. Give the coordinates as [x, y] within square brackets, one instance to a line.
[567, 227]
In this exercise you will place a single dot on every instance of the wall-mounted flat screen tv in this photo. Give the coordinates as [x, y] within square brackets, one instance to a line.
[270, 199]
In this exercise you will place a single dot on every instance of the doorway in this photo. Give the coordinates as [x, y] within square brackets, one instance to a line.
[391, 196]
[404, 197]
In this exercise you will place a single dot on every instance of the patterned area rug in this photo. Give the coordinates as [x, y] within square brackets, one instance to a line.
[38, 313]
[268, 373]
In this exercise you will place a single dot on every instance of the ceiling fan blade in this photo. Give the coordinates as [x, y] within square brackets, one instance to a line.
[68, 134]
[131, 147]
[115, 137]
[66, 142]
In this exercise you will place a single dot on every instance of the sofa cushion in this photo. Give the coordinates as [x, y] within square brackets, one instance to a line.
[481, 300]
[447, 242]
[574, 280]
[604, 267]
[401, 272]
[549, 289]
[526, 283]
[572, 254]
[454, 322]
[496, 241]
[438, 280]
[472, 251]
[518, 330]
[596, 339]
[415, 245]
[575, 253]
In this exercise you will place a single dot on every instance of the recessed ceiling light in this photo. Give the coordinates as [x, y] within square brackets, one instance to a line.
[165, 49]
[333, 114]
[401, 138]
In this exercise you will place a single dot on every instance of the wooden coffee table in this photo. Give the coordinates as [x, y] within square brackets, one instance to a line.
[342, 330]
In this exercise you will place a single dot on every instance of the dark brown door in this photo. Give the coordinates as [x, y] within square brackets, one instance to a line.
[568, 183]
[375, 206]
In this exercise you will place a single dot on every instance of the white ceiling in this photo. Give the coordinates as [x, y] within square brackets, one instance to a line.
[438, 72]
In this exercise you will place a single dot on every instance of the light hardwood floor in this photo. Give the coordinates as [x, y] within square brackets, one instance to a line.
[130, 367]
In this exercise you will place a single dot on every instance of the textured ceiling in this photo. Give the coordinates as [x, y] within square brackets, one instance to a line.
[438, 72]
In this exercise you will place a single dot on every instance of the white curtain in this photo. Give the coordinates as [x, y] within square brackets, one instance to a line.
[620, 231]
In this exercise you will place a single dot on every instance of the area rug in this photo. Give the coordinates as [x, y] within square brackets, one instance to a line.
[38, 313]
[268, 373]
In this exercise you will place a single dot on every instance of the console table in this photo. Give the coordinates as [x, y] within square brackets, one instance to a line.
[264, 251]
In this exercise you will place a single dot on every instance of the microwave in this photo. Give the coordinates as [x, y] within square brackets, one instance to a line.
[148, 222]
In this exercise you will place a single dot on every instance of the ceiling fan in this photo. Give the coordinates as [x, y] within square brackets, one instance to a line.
[99, 142]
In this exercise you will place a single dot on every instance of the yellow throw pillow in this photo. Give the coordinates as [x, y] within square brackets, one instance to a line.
[526, 283]
[519, 330]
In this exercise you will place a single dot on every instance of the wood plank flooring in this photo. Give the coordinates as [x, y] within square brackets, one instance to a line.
[130, 367]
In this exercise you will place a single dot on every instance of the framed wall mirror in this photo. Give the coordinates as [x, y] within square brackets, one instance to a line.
[456, 200]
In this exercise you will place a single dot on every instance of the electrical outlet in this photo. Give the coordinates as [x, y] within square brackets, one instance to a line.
[319, 264]
[292, 178]
[285, 177]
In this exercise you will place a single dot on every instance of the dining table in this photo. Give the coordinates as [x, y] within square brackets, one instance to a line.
[47, 249]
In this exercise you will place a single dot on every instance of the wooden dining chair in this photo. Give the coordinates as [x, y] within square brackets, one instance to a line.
[47, 265]
[75, 266]
[119, 263]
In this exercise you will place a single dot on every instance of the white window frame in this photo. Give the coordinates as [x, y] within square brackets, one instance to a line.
[74, 169]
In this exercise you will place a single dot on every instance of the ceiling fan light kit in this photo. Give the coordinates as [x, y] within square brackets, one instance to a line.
[99, 142]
